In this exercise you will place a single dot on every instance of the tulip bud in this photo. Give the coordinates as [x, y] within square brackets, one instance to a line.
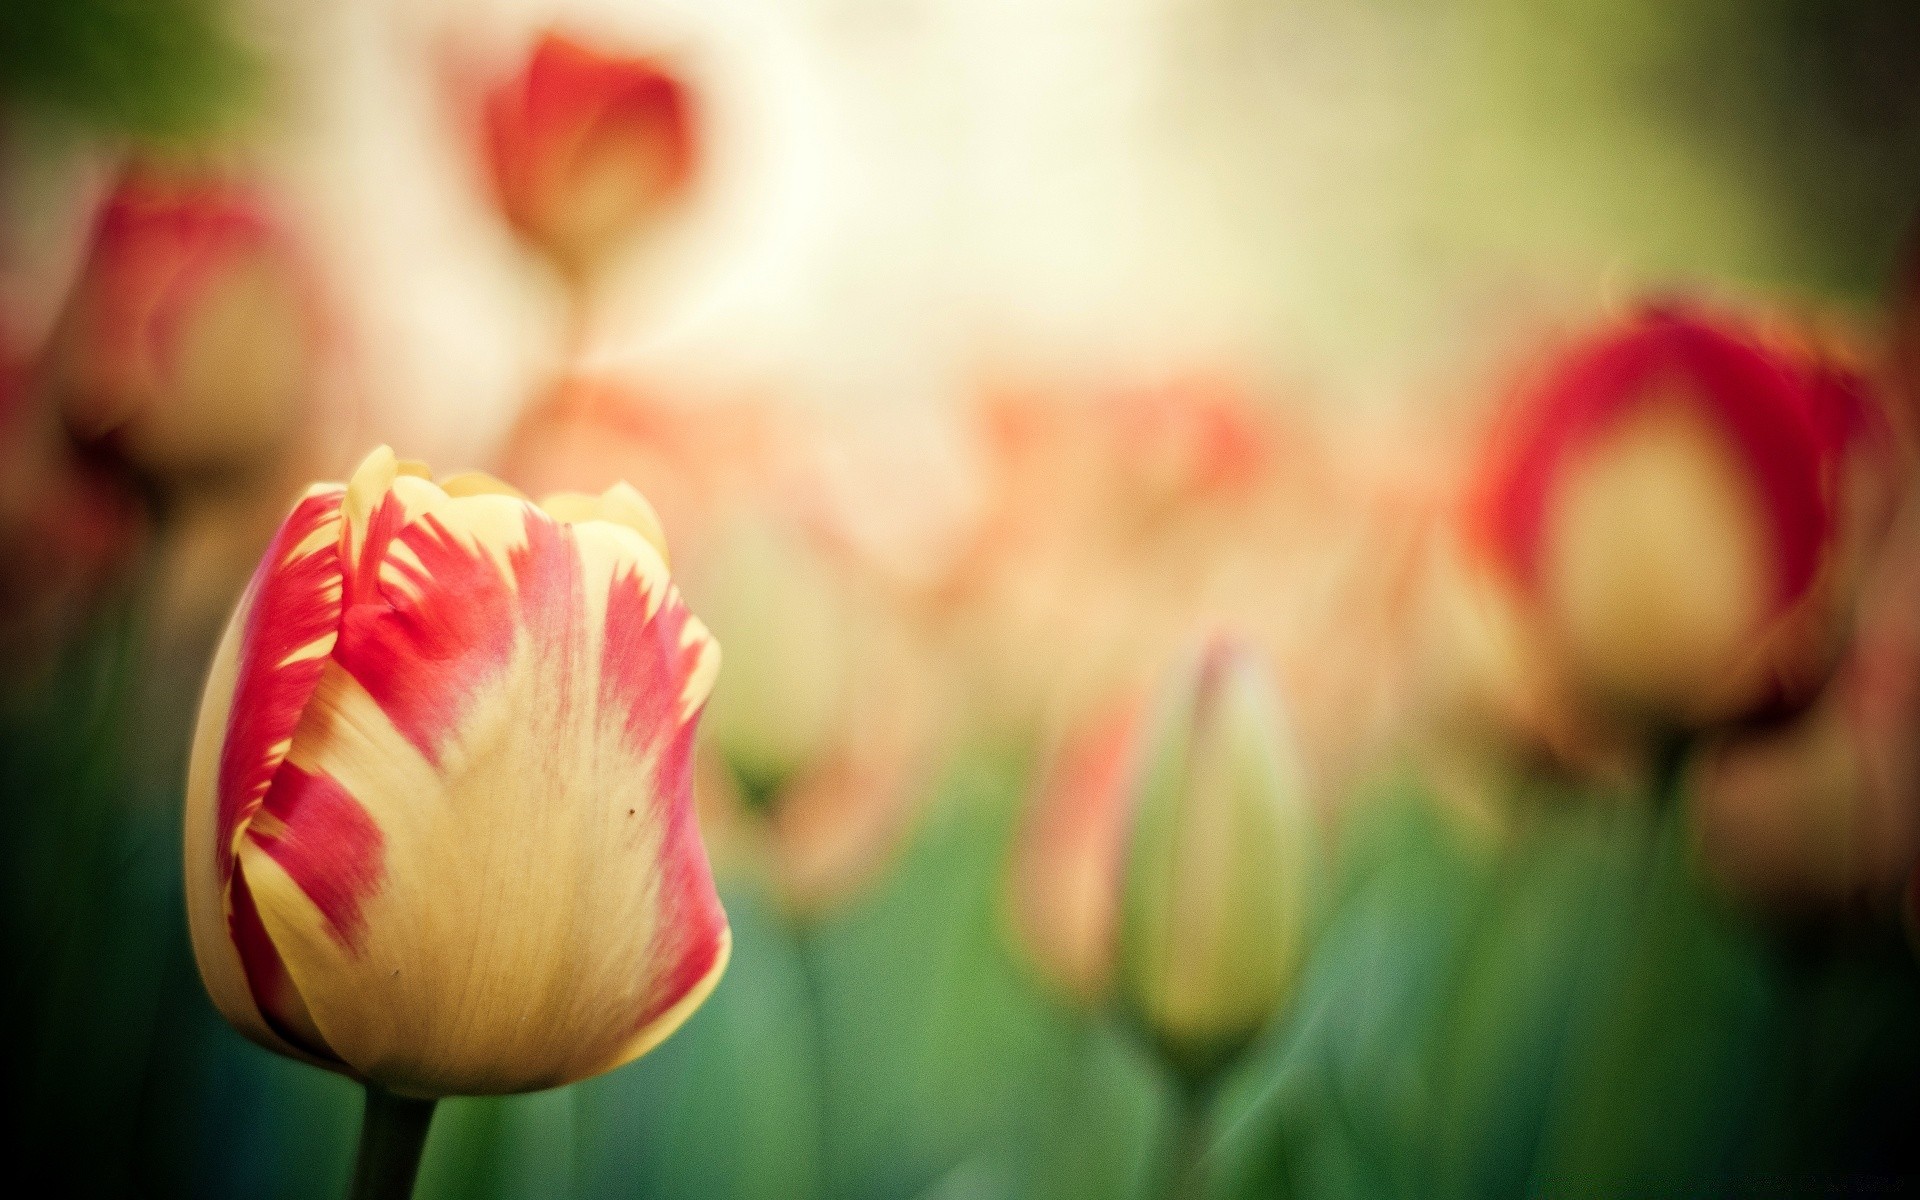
[776, 600]
[585, 147]
[1219, 864]
[1670, 500]
[439, 830]
[1065, 879]
[190, 340]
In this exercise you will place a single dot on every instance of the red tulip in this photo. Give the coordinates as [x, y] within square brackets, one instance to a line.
[190, 340]
[585, 146]
[439, 827]
[1671, 501]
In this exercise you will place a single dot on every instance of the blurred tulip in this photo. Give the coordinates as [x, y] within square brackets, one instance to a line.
[190, 341]
[1670, 503]
[585, 433]
[1117, 517]
[1219, 866]
[66, 526]
[789, 621]
[585, 147]
[439, 827]
[1064, 887]
[825, 722]
[1826, 807]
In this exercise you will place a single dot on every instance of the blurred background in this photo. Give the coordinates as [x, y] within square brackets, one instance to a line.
[991, 365]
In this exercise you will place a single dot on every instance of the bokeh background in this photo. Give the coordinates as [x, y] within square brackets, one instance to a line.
[987, 357]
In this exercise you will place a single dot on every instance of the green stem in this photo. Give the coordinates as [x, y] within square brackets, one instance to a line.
[1184, 1145]
[1669, 756]
[393, 1131]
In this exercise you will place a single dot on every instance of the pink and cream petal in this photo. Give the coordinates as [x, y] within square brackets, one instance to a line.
[269, 662]
[520, 898]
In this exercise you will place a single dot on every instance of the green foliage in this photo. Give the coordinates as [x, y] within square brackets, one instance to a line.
[156, 70]
[1570, 1014]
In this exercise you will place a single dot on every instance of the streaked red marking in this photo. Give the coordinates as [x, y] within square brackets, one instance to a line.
[644, 667]
[267, 978]
[644, 672]
[327, 843]
[288, 605]
[423, 660]
[688, 919]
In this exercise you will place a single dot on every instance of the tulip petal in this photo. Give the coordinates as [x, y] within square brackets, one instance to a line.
[507, 673]
[622, 504]
[478, 483]
[269, 663]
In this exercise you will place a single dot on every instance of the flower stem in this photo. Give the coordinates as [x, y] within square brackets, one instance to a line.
[393, 1131]
[1184, 1146]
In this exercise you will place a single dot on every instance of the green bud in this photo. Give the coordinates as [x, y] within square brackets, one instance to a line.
[1220, 864]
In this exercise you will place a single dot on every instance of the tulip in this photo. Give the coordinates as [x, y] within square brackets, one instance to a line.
[1670, 502]
[1219, 865]
[1064, 887]
[787, 615]
[439, 834]
[1825, 808]
[190, 338]
[585, 146]
[67, 527]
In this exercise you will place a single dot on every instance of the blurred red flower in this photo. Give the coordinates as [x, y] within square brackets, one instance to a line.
[585, 145]
[66, 526]
[1675, 503]
[190, 340]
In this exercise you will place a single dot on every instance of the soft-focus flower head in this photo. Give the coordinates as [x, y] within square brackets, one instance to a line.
[1823, 810]
[827, 722]
[440, 832]
[1220, 864]
[191, 340]
[1670, 501]
[67, 525]
[1063, 887]
[586, 432]
[586, 146]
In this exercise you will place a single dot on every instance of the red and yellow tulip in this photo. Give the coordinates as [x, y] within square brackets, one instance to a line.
[585, 145]
[191, 337]
[440, 833]
[1670, 503]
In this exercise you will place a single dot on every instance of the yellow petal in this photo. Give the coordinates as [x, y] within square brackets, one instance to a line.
[1658, 565]
[571, 507]
[478, 483]
[621, 504]
[366, 489]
